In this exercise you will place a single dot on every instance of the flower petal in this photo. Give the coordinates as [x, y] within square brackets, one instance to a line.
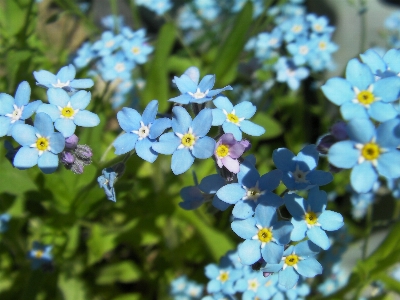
[144, 150]
[26, 157]
[48, 162]
[363, 177]
[125, 143]
[86, 118]
[150, 112]
[249, 252]
[22, 94]
[181, 161]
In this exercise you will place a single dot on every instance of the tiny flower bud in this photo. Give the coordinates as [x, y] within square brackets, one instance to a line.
[67, 158]
[339, 131]
[71, 142]
[84, 152]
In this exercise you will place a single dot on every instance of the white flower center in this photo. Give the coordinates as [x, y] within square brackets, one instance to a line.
[253, 193]
[60, 84]
[198, 94]
[303, 50]
[253, 284]
[299, 175]
[16, 114]
[143, 131]
[119, 67]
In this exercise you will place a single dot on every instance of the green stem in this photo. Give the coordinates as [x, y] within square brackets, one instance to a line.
[367, 232]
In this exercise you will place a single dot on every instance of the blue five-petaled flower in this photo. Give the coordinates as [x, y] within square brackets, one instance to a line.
[188, 141]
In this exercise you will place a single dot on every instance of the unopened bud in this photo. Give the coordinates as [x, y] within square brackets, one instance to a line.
[71, 142]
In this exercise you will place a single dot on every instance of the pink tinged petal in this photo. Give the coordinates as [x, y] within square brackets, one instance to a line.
[48, 162]
[249, 251]
[231, 164]
[236, 150]
[318, 237]
[25, 158]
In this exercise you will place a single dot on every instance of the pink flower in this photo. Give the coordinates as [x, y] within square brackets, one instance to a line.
[227, 151]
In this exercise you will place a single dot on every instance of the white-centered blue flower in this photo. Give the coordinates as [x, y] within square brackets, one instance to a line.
[67, 112]
[188, 141]
[16, 110]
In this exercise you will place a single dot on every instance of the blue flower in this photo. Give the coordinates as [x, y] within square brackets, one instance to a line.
[286, 71]
[369, 152]
[360, 96]
[299, 171]
[264, 236]
[311, 217]
[193, 91]
[107, 44]
[296, 260]
[137, 49]
[386, 66]
[106, 182]
[4, 219]
[188, 141]
[141, 131]
[16, 110]
[40, 255]
[40, 144]
[63, 80]
[250, 190]
[115, 66]
[66, 112]
[221, 279]
[254, 285]
[233, 118]
[84, 55]
[319, 24]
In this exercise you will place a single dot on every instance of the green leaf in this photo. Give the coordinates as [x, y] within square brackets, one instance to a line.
[157, 83]
[227, 59]
[99, 243]
[72, 288]
[272, 127]
[125, 271]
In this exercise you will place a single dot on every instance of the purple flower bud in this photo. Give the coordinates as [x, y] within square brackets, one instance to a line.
[339, 131]
[246, 144]
[266, 274]
[71, 142]
[84, 152]
[77, 167]
[67, 158]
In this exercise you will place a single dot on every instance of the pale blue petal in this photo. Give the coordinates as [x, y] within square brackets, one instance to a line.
[207, 83]
[251, 129]
[249, 251]
[202, 122]
[363, 177]
[43, 124]
[30, 109]
[6, 104]
[81, 83]
[66, 73]
[80, 100]
[5, 123]
[317, 200]
[229, 127]
[338, 91]
[218, 117]
[231, 193]
[182, 99]
[299, 230]
[185, 84]
[129, 119]
[181, 120]
[282, 231]
[245, 109]
[214, 286]
[359, 74]
[273, 268]
[343, 154]
[306, 249]
[181, 161]
[204, 148]
[284, 159]
[309, 267]
[167, 143]
[318, 237]
[50, 110]
[86, 118]
[288, 278]
[22, 94]
[218, 203]
[48, 162]
[193, 73]
[212, 93]
[246, 229]
[387, 134]
[387, 166]
[265, 215]
[44, 77]
[244, 209]
[57, 142]
[350, 110]
[373, 61]
[58, 97]
[125, 143]
[387, 88]
[392, 58]
[144, 150]
[296, 205]
[309, 155]
[382, 111]
[158, 127]
[150, 112]
[223, 102]
[272, 253]
[24, 134]
[330, 220]
[26, 158]
[270, 180]
[211, 271]
[65, 126]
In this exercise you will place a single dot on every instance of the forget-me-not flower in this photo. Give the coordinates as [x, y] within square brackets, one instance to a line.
[140, 131]
[193, 91]
[16, 110]
[40, 144]
[67, 112]
[386, 66]
[188, 141]
[222, 279]
[40, 255]
[64, 79]
[264, 236]
[310, 217]
[234, 118]
[106, 181]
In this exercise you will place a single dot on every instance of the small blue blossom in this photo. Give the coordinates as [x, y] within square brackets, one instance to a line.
[369, 152]
[106, 181]
[67, 112]
[234, 118]
[107, 44]
[40, 144]
[4, 219]
[319, 24]
[183, 288]
[310, 217]
[137, 49]
[299, 171]
[140, 131]
[286, 71]
[188, 141]
[193, 91]
[222, 279]
[84, 55]
[40, 255]
[254, 285]
[65, 79]
[16, 110]
[297, 260]
[159, 7]
[264, 236]
[115, 66]
[386, 66]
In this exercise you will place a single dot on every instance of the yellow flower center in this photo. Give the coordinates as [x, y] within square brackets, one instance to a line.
[233, 118]
[42, 144]
[223, 276]
[297, 28]
[67, 112]
[322, 45]
[188, 140]
[291, 260]
[39, 254]
[265, 235]
[370, 151]
[222, 151]
[311, 218]
[135, 50]
[365, 97]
